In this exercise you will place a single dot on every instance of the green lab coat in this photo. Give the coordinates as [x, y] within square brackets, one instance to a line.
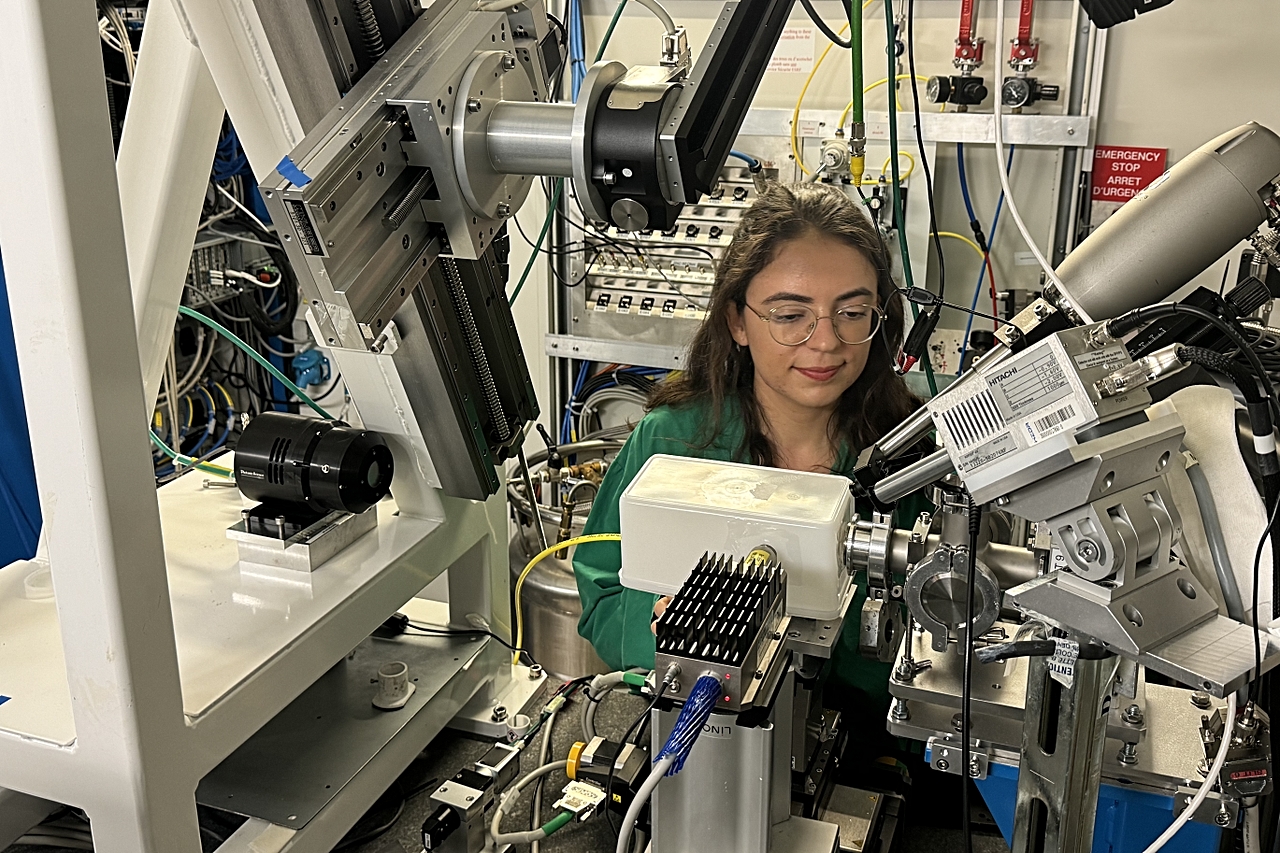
[616, 620]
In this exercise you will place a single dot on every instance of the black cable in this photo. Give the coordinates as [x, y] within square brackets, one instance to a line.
[831, 34]
[966, 686]
[924, 159]
[377, 832]
[608, 782]
[478, 632]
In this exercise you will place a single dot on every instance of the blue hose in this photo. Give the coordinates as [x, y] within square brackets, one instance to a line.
[752, 163]
[693, 716]
[982, 270]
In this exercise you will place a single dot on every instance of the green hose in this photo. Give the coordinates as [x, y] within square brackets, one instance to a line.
[897, 192]
[255, 355]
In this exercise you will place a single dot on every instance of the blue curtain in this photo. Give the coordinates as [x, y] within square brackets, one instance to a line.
[19, 500]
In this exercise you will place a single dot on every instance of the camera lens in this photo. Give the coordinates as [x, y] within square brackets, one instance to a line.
[324, 465]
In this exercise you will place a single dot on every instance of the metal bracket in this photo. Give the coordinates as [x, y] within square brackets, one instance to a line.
[945, 755]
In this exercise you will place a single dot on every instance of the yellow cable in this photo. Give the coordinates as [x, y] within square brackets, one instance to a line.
[911, 166]
[964, 239]
[795, 114]
[550, 549]
[230, 403]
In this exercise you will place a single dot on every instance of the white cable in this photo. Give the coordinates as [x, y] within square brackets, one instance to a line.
[1207, 784]
[656, 8]
[247, 211]
[1252, 830]
[656, 774]
[244, 276]
[1000, 169]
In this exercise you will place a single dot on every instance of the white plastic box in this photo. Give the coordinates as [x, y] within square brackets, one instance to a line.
[677, 508]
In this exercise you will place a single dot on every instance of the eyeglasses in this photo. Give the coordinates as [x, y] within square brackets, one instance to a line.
[792, 325]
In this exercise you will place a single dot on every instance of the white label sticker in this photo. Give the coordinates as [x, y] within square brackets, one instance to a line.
[987, 453]
[794, 53]
[1030, 384]
[1062, 666]
[1113, 355]
[1053, 420]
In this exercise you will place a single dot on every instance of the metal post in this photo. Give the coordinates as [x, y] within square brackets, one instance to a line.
[1064, 731]
[166, 148]
[64, 251]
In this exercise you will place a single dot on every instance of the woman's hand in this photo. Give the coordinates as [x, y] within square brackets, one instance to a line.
[659, 607]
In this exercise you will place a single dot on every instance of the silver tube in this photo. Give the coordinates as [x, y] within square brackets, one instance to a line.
[531, 139]
[1010, 564]
[1217, 543]
[935, 466]
[1211, 200]
[906, 433]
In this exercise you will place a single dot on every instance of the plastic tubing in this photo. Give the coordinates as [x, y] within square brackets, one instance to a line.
[656, 8]
[656, 775]
[1004, 176]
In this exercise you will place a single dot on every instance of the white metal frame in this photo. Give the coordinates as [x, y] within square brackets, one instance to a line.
[137, 744]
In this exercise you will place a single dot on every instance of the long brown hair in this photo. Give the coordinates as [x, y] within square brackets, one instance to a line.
[718, 370]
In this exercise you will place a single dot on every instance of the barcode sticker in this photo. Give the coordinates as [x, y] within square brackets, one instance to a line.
[1042, 426]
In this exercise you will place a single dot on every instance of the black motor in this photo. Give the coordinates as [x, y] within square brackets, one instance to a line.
[323, 465]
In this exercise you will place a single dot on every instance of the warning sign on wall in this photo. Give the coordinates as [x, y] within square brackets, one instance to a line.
[1119, 174]
[794, 53]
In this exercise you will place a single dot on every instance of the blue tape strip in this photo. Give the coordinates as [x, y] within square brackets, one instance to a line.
[3, 699]
[291, 173]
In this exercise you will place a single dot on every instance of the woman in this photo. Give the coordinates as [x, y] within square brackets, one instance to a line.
[793, 368]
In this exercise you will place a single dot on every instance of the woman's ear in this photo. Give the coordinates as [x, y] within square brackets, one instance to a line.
[737, 325]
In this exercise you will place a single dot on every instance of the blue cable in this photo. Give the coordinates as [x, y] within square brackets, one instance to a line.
[752, 163]
[982, 270]
[566, 426]
[210, 421]
[693, 716]
[577, 47]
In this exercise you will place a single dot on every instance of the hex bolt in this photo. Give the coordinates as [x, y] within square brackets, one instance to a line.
[1132, 715]
[900, 711]
[1087, 550]
[535, 672]
[499, 713]
[503, 210]
[957, 722]
[942, 764]
[1223, 817]
[1128, 754]
[473, 106]
[508, 62]
[1201, 700]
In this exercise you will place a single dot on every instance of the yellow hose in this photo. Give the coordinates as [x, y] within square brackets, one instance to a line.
[550, 549]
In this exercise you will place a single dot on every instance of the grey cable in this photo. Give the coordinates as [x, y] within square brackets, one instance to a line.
[596, 690]
[656, 8]
[656, 773]
[1217, 543]
[543, 754]
[500, 838]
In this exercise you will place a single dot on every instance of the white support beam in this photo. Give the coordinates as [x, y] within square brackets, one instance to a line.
[166, 148]
[64, 254]
[231, 35]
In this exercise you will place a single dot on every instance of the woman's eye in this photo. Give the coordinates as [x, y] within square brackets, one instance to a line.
[788, 316]
[855, 314]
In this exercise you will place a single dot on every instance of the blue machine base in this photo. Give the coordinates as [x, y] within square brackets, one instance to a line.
[1128, 820]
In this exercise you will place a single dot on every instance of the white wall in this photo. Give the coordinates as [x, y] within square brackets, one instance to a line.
[1174, 78]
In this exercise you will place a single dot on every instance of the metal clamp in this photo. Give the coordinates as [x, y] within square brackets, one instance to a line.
[946, 755]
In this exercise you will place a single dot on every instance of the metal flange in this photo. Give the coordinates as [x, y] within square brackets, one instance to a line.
[491, 78]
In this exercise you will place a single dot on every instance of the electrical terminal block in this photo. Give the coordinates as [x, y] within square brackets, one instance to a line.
[581, 798]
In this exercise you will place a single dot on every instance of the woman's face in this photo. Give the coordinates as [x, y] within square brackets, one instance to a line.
[826, 276]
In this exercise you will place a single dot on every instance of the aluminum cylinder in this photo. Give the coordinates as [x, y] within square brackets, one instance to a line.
[531, 139]
[1175, 228]
[552, 609]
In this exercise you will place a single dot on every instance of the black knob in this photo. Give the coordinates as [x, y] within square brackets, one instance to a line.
[1248, 296]
[554, 460]
[1048, 92]
[969, 91]
[715, 231]
[438, 826]
[691, 231]
[739, 193]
